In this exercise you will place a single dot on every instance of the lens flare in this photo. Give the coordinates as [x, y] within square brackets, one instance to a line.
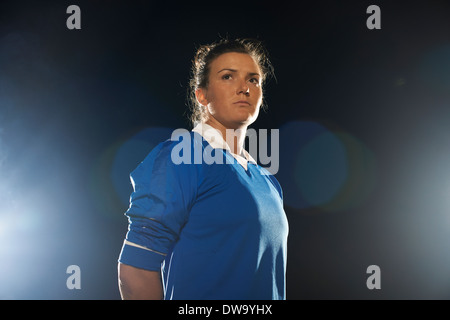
[110, 185]
[322, 168]
[435, 68]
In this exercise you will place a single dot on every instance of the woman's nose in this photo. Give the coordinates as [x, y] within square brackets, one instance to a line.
[243, 88]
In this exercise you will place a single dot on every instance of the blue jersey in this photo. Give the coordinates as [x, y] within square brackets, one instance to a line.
[215, 230]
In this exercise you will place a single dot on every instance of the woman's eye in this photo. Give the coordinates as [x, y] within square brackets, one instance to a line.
[254, 80]
[226, 77]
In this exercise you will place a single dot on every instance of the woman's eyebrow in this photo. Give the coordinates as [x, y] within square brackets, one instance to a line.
[234, 70]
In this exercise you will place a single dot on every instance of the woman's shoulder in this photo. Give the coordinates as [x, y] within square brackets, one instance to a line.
[274, 181]
[172, 152]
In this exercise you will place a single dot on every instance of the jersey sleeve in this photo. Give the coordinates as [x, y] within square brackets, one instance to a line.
[163, 193]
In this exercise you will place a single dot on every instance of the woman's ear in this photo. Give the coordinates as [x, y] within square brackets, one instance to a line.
[200, 94]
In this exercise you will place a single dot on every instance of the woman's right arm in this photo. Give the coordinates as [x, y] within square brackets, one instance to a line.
[139, 284]
[163, 193]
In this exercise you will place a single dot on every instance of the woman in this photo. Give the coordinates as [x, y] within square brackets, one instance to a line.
[209, 230]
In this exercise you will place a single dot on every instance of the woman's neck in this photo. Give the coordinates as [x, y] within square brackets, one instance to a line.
[234, 137]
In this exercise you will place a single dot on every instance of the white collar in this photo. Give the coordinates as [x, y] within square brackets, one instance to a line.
[215, 139]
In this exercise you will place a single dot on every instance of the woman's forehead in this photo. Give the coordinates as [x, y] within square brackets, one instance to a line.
[236, 61]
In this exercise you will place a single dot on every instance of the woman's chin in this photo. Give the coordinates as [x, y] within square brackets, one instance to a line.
[246, 118]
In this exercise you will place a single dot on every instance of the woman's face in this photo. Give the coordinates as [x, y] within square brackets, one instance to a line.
[234, 94]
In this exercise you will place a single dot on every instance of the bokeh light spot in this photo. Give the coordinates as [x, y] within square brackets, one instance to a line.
[110, 184]
[321, 169]
[435, 68]
[130, 154]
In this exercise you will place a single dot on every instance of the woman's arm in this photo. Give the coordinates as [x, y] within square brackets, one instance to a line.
[139, 284]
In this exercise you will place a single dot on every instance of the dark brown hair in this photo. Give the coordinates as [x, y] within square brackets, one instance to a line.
[207, 53]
